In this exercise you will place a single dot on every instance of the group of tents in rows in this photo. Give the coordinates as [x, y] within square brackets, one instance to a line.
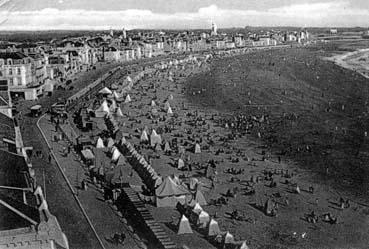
[208, 226]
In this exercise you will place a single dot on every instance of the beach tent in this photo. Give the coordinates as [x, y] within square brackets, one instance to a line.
[155, 138]
[105, 91]
[180, 164]
[157, 147]
[102, 110]
[170, 112]
[244, 245]
[168, 193]
[116, 154]
[228, 238]
[184, 226]
[200, 198]
[197, 208]
[197, 148]
[128, 99]
[213, 228]
[144, 137]
[119, 112]
[203, 219]
[100, 143]
[167, 147]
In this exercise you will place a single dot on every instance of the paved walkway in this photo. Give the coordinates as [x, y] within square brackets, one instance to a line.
[104, 219]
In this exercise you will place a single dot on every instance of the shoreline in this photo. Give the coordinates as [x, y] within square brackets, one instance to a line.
[342, 60]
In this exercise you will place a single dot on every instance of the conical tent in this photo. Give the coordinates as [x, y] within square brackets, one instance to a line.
[144, 137]
[155, 138]
[184, 226]
[244, 245]
[169, 111]
[213, 228]
[180, 164]
[197, 208]
[116, 155]
[105, 90]
[119, 112]
[228, 238]
[153, 103]
[128, 99]
[100, 143]
[102, 110]
[203, 219]
[197, 148]
[157, 147]
[200, 198]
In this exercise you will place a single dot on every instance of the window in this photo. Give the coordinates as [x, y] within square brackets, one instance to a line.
[10, 71]
[18, 70]
[10, 82]
[19, 81]
[1, 73]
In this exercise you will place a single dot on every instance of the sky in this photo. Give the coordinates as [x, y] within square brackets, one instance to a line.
[179, 14]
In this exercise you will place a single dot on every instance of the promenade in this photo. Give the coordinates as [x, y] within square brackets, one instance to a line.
[103, 217]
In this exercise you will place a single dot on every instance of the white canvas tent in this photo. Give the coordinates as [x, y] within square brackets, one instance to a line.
[170, 112]
[116, 154]
[128, 99]
[100, 143]
[228, 238]
[144, 137]
[168, 193]
[203, 219]
[102, 110]
[119, 112]
[200, 198]
[213, 228]
[197, 208]
[105, 91]
[155, 138]
[184, 226]
[180, 164]
[197, 148]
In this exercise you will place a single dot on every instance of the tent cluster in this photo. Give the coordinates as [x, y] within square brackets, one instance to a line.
[206, 225]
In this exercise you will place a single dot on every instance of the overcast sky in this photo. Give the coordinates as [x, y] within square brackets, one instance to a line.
[182, 14]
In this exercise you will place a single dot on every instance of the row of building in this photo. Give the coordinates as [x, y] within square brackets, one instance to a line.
[31, 70]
